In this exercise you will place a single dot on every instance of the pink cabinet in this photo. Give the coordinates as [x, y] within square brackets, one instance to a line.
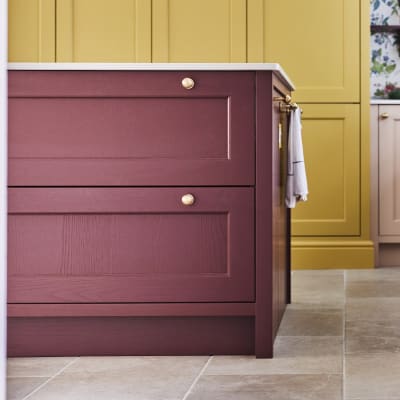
[146, 217]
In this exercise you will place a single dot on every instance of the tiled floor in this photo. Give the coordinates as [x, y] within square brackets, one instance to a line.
[340, 339]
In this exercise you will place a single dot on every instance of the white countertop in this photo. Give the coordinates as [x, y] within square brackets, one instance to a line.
[154, 67]
[384, 101]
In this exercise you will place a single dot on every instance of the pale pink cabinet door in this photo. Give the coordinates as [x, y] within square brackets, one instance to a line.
[89, 245]
[389, 171]
[131, 128]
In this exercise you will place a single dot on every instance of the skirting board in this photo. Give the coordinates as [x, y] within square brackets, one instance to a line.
[389, 255]
[332, 256]
[102, 336]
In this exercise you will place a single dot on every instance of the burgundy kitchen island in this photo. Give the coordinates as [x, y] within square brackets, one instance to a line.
[146, 209]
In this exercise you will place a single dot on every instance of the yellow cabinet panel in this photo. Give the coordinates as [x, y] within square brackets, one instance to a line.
[331, 138]
[199, 31]
[103, 31]
[318, 44]
[31, 30]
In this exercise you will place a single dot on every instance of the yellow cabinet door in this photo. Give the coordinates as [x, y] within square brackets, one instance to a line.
[318, 44]
[199, 31]
[331, 139]
[103, 31]
[31, 30]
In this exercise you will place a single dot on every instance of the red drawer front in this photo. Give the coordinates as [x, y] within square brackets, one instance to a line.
[89, 245]
[133, 128]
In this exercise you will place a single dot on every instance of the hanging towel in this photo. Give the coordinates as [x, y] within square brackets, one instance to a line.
[296, 184]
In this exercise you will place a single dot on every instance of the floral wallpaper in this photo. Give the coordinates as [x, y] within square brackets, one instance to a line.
[385, 58]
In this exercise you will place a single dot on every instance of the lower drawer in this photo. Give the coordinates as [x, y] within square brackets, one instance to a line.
[106, 245]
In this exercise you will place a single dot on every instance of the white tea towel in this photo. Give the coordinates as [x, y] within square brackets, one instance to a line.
[296, 184]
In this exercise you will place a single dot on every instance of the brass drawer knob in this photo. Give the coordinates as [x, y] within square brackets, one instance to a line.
[384, 115]
[188, 83]
[188, 199]
[288, 98]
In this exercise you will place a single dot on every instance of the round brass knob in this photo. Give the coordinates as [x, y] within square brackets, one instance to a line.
[288, 98]
[384, 115]
[188, 83]
[188, 199]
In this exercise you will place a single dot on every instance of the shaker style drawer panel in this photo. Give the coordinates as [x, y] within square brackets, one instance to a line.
[97, 245]
[116, 128]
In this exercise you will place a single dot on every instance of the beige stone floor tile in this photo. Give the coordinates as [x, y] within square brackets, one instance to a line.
[318, 289]
[371, 376]
[36, 366]
[292, 355]
[372, 274]
[373, 336]
[317, 306]
[268, 387]
[372, 309]
[377, 288]
[161, 364]
[18, 388]
[302, 321]
[123, 378]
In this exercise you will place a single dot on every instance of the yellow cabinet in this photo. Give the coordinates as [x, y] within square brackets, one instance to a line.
[31, 30]
[316, 41]
[331, 138]
[199, 31]
[103, 31]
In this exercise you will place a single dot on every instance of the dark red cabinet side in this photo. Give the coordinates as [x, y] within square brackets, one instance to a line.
[104, 258]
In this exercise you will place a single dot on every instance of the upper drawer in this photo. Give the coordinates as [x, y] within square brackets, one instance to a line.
[115, 128]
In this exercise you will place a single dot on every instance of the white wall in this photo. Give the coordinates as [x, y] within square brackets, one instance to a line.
[3, 192]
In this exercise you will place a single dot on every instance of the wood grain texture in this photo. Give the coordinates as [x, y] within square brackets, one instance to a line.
[116, 128]
[130, 245]
[32, 337]
[118, 244]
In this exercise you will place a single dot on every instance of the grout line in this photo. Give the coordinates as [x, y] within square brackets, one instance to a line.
[29, 376]
[189, 391]
[51, 378]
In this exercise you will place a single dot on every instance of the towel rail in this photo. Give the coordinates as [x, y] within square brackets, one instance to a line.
[286, 104]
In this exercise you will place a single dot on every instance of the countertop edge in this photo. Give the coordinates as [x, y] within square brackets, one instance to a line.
[384, 102]
[152, 67]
